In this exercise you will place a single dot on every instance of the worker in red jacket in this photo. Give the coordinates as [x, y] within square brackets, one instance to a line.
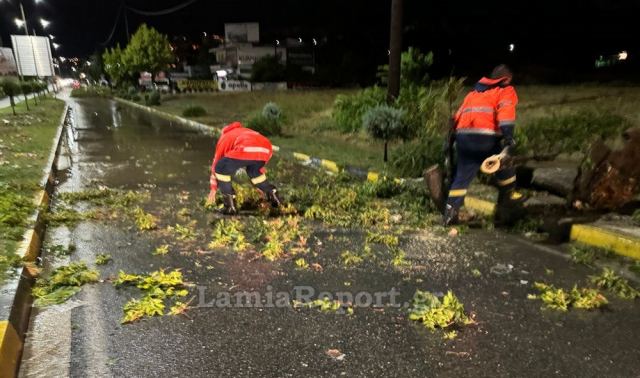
[240, 147]
[484, 126]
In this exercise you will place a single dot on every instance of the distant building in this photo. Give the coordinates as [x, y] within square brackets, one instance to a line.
[7, 62]
[241, 49]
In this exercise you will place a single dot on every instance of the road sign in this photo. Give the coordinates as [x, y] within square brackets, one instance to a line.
[33, 55]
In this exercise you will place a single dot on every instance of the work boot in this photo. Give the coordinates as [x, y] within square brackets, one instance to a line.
[450, 216]
[273, 198]
[510, 208]
[510, 197]
[229, 204]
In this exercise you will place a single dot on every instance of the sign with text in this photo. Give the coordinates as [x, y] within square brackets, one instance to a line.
[33, 55]
[235, 85]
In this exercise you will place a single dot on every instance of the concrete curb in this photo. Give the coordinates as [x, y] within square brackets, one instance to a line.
[625, 245]
[15, 295]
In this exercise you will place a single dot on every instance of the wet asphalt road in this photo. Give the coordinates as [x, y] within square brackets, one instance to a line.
[513, 337]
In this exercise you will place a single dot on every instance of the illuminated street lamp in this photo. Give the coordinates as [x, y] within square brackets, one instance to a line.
[623, 55]
[19, 22]
[52, 36]
[55, 46]
[512, 47]
[44, 23]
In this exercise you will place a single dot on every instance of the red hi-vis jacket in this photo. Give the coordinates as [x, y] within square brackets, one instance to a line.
[488, 107]
[238, 142]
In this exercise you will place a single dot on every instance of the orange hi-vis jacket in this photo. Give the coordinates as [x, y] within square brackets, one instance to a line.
[238, 142]
[487, 108]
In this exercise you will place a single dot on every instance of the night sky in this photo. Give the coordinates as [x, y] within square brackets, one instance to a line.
[466, 36]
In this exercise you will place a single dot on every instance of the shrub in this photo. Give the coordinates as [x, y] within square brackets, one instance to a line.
[95, 92]
[136, 98]
[349, 110]
[194, 111]
[551, 135]
[11, 88]
[265, 126]
[152, 99]
[272, 111]
[414, 66]
[416, 155]
[385, 123]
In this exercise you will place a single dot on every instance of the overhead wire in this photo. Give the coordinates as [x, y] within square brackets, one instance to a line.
[115, 26]
[161, 12]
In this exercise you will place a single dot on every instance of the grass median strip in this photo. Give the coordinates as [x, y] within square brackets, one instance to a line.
[25, 145]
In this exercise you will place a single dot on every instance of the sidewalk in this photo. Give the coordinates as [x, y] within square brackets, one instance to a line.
[4, 101]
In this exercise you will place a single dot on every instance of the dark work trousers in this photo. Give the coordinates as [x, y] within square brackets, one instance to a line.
[227, 167]
[472, 150]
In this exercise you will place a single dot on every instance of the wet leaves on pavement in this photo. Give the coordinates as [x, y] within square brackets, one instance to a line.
[63, 282]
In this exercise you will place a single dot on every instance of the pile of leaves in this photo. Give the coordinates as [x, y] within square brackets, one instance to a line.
[68, 217]
[159, 289]
[435, 313]
[63, 283]
[326, 305]
[229, 233]
[103, 259]
[184, 232]
[273, 239]
[561, 300]
[586, 254]
[609, 280]
[144, 221]
[109, 203]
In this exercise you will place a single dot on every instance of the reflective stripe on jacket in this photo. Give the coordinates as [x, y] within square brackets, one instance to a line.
[238, 142]
[486, 108]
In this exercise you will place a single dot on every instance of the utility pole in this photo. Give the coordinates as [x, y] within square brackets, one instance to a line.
[395, 51]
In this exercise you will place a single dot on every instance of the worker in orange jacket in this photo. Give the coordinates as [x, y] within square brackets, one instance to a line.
[240, 147]
[484, 126]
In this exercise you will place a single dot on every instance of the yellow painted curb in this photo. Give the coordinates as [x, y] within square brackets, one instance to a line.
[301, 156]
[330, 165]
[9, 350]
[373, 176]
[480, 206]
[599, 237]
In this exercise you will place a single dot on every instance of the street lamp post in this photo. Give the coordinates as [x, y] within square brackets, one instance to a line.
[26, 32]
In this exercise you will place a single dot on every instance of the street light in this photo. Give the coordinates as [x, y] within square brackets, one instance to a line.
[44, 23]
[55, 46]
[19, 22]
[52, 36]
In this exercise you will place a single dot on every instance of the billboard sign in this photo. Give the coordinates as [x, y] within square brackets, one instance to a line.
[7, 62]
[246, 32]
[33, 55]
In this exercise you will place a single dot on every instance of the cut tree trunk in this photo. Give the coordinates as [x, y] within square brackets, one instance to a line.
[612, 178]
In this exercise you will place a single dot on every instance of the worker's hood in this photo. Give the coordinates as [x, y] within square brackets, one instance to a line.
[485, 83]
[231, 126]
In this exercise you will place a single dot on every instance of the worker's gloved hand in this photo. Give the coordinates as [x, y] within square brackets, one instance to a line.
[508, 142]
[211, 198]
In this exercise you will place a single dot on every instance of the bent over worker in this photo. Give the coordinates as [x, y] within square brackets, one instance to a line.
[240, 147]
[484, 126]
